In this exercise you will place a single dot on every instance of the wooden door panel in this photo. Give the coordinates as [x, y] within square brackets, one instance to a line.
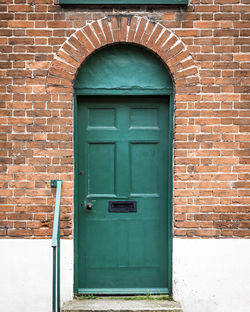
[122, 152]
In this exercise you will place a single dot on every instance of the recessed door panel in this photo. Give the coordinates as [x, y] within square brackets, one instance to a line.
[101, 168]
[144, 117]
[100, 117]
[122, 152]
[144, 169]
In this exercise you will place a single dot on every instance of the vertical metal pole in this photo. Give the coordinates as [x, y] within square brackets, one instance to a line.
[58, 267]
[56, 248]
[54, 280]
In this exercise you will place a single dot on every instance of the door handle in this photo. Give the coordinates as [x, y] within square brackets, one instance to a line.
[89, 206]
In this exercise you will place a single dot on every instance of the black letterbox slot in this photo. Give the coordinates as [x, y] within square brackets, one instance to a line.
[122, 206]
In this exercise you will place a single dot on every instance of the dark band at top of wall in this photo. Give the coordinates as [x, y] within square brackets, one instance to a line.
[131, 2]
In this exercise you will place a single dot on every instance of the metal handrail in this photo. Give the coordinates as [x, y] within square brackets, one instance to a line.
[56, 248]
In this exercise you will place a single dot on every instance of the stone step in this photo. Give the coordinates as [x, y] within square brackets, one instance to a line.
[121, 305]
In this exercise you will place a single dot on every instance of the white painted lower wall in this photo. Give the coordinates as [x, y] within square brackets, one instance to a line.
[209, 275]
[212, 275]
[26, 274]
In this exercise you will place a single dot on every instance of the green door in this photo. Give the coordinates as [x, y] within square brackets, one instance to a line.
[122, 167]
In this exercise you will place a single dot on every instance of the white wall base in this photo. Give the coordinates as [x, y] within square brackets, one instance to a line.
[26, 274]
[212, 275]
[209, 275]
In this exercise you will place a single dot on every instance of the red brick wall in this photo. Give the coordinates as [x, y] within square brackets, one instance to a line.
[208, 56]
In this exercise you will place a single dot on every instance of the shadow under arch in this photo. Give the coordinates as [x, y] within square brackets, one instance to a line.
[122, 68]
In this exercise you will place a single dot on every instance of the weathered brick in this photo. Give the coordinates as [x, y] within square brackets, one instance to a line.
[205, 48]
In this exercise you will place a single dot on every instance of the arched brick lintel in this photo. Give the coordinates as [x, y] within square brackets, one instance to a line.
[126, 29]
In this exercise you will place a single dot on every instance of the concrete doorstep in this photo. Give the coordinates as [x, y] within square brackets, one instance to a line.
[121, 305]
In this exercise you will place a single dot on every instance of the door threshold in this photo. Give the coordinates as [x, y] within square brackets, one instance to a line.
[123, 291]
[121, 305]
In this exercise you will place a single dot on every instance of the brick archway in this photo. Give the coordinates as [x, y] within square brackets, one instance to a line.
[110, 30]
[115, 29]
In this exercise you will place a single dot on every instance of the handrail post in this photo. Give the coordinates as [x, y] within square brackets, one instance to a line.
[56, 248]
[54, 270]
[58, 267]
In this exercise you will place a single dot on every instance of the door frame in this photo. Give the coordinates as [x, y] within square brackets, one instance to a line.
[96, 78]
[169, 190]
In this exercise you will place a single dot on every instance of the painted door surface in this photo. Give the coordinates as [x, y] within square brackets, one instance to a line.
[122, 156]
